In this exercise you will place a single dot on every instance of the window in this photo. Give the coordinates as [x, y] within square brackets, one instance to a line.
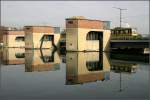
[20, 39]
[126, 31]
[70, 22]
[122, 31]
[94, 65]
[112, 32]
[27, 28]
[129, 31]
[116, 31]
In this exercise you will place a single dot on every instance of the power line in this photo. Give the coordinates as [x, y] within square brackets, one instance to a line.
[120, 9]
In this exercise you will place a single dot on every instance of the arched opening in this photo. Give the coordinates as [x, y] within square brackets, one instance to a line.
[48, 38]
[20, 55]
[96, 65]
[47, 58]
[95, 37]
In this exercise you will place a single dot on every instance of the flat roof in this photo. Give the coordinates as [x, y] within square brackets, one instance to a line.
[37, 26]
[83, 19]
[14, 30]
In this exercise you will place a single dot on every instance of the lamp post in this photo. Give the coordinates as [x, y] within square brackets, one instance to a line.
[120, 14]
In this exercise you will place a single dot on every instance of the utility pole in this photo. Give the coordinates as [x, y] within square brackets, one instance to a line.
[120, 14]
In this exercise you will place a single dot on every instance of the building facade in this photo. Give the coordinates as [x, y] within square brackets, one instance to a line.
[86, 35]
[124, 33]
[41, 60]
[122, 66]
[41, 37]
[2, 30]
[14, 38]
[13, 56]
[86, 67]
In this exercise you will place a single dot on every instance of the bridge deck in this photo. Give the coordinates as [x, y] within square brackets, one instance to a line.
[130, 43]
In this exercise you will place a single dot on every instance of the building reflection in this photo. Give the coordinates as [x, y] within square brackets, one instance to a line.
[12, 56]
[129, 56]
[41, 60]
[123, 66]
[1, 55]
[86, 67]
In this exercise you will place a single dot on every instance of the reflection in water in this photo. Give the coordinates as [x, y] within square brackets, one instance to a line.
[94, 65]
[1, 55]
[20, 55]
[86, 67]
[41, 60]
[79, 68]
[13, 56]
[122, 66]
[130, 57]
[47, 58]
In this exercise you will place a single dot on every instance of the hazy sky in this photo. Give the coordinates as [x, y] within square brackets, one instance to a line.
[21, 13]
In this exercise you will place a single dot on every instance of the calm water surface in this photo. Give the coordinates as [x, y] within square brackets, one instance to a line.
[47, 75]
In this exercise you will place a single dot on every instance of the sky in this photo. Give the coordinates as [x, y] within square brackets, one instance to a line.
[54, 13]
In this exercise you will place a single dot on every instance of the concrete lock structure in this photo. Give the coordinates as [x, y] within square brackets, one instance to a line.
[86, 67]
[13, 38]
[13, 56]
[86, 35]
[2, 30]
[41, 37]
[41, 60]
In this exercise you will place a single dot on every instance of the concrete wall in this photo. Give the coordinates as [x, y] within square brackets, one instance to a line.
[76, 40]
[78, 27]
[92, 45]
[37, 39]
[9, 39]
[29, 40]
[34, 36]
[71, 39]
[84, 23]
[10, 56]
[2, 31]
[83, 44]
[33, 40]
[57, 39]
[106, 40]
[34, 60]
[79, 59]
[76, 69]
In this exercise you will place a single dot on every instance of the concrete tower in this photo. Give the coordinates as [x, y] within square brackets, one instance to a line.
[86, 35]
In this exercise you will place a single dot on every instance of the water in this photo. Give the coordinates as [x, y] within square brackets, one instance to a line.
[47, 75]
